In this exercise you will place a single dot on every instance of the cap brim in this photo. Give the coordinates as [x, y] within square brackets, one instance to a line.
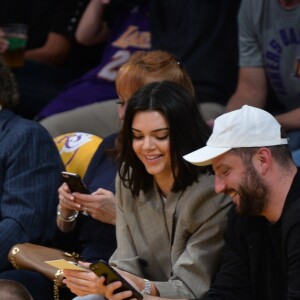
[203, 156]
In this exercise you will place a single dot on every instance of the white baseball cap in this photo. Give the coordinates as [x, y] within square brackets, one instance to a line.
[245, 127]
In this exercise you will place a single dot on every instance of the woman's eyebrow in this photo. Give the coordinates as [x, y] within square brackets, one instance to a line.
[156, 130]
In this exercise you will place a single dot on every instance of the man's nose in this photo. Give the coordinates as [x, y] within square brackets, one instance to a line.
[219, 185]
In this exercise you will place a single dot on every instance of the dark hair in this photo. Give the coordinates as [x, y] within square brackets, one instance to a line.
[281, 154]
[9, 97]
[144, 67]
[12, 290]
[187, 132]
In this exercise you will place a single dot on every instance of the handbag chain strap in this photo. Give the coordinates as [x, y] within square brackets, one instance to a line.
[56, 280]
[12, 258]
[56, 285]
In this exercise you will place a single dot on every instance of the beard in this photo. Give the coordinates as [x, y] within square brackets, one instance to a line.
[253, 193]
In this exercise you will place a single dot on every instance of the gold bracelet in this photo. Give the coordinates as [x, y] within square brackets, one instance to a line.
[69, 219]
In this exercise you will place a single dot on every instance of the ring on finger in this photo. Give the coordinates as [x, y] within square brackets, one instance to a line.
[85, 211]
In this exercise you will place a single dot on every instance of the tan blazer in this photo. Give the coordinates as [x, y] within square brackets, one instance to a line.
[176, 244]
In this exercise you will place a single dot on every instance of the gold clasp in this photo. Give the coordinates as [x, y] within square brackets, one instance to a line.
[15, 250]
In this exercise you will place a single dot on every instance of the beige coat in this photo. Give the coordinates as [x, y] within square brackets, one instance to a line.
[177, 244]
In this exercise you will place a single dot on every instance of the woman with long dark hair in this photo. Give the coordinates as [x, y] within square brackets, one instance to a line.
[170, 222]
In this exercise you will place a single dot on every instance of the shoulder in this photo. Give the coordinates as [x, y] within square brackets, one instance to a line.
[204, 188]
[21, 135]
[202, 200]
[109, 141]
[290, 215]
[291, 210]
[27, 128]
[17, 126]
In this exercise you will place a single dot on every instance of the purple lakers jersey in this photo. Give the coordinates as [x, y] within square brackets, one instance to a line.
[130, 33]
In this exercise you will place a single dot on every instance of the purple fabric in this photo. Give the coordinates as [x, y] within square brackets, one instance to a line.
[130, 33]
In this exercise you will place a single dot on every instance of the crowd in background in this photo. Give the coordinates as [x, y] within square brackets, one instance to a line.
[87, 63]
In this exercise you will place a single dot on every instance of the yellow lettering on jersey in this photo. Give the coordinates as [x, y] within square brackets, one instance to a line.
[134, 38]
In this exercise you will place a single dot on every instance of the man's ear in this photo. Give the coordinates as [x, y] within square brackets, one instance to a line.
[263, 159]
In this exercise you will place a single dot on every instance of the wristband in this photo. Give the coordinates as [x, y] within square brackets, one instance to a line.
[71, 218]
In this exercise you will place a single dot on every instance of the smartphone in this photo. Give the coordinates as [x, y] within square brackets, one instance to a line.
[75, 183]
[102, 268]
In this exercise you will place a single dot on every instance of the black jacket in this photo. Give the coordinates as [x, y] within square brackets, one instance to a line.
[261, 261]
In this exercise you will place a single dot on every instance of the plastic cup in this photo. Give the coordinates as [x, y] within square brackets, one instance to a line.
[16, 35]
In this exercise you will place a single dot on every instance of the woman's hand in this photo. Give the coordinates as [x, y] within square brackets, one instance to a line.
[111, 288]
[84, 283]
[101, 205]
[67, 201]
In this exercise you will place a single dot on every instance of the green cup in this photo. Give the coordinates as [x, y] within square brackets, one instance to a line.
[16, 35]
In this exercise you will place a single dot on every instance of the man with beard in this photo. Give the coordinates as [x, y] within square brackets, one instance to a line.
[253, 164]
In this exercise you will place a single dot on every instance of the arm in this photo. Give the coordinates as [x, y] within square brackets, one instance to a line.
[290, 120]
[67, 208]
[251, 89]
[291, 242]
[100, 206]
[187, 271]
[111, 295]
[125, 242]
[92, 29]
[293, 260]
[233, 278]
[195, 267]
[252, 82]
[84, 283]
[61, 33]
[53, 52]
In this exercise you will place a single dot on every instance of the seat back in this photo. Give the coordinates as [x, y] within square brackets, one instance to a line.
[76, 150]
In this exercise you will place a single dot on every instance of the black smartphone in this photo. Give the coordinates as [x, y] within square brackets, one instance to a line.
[75, 183]
[102, 268]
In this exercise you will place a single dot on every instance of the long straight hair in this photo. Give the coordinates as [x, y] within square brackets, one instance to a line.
[187, 132]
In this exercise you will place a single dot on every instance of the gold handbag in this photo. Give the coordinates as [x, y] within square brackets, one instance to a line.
[32, 257]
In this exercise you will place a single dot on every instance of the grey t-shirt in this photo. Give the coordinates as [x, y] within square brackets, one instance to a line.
[269, 36]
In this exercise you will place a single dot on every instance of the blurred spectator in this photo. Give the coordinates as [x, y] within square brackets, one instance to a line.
[179, 217]
[12, 290]
[203, 37]
[53, 57]
[93, 235]
[269, 60]
[29, 175]
[129, 33]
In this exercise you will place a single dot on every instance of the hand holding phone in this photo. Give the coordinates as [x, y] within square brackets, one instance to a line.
[102, 268]
[75, 183]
